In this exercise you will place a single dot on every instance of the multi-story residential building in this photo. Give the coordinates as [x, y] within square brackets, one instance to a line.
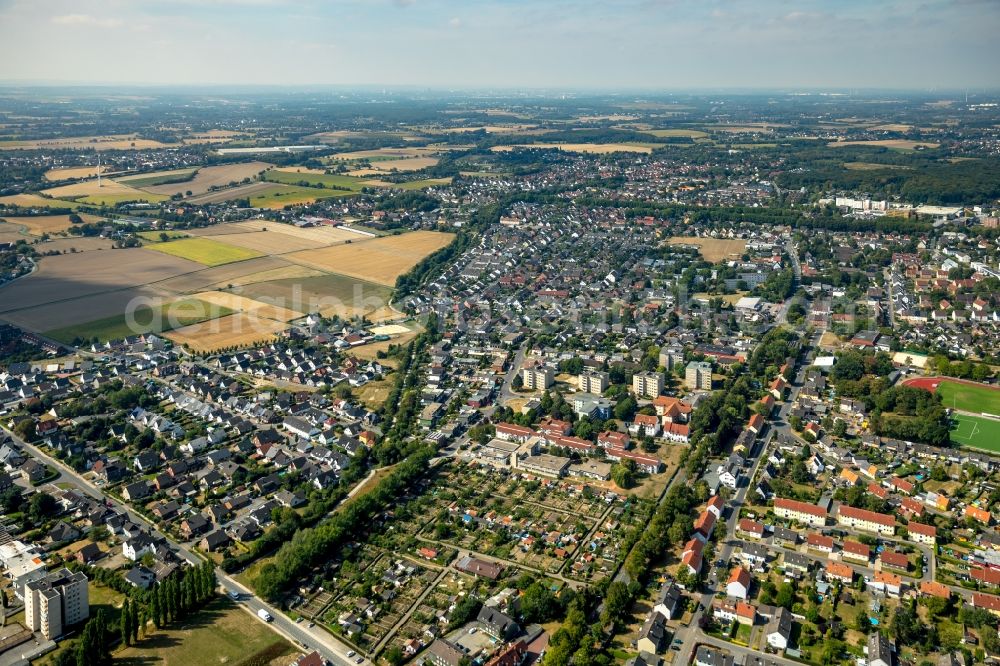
[647, 384]
[869, 521]
[56, 601]
[593, 382]
[698, 376]
[538, 378]
[803, 512]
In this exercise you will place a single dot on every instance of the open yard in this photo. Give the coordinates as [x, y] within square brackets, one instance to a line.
[713, 249]
[237, 330]
[205, 251]
[976, 432]
[222, 633]
[379, 260]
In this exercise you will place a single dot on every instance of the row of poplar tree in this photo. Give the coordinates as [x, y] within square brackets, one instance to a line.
[169, 601]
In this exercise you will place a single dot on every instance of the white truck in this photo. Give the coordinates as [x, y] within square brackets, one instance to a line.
[264, 615]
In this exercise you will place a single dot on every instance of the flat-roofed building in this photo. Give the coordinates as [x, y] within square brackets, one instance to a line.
[545, 465]
[538, 379]
[647, 384]
[593, 381]
[698, 376]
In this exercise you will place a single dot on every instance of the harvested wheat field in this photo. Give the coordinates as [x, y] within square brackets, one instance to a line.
[269, 242]
[378, 260]
[322, 235]
[215, 136]
[67, 277]
[47, 224]
[225, 274]
[237, 330]
[713, 249]
[248, 305]
[324, 293]
[75, 173]
[107, 191]
[897, 144]
[36, 201]
[290, 272]
[300, 169]
[11, 234]
[212, 176]
[406, 164]
[596, 148]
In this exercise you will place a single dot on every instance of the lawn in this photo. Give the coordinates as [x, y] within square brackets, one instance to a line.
[184, 312]
[969, 398]
[976, 432]
[222, 633]
[206, 251]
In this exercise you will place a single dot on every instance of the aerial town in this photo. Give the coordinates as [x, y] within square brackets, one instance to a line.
[693, 379]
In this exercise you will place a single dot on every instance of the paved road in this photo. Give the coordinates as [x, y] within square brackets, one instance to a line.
[315, 638]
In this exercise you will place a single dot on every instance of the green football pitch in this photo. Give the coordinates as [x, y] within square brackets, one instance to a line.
[970, 398]
[976, 432]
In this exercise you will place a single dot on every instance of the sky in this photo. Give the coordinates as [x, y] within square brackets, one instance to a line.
[510, 44]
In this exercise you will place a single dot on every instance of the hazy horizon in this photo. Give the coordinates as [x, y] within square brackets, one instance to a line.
[678, 45]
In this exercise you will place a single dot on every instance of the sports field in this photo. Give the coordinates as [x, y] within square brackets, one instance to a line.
[205, 251]
[969, 397]
[977, 432]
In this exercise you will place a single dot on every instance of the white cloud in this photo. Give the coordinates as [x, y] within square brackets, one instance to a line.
[86, 19]
[455, 22]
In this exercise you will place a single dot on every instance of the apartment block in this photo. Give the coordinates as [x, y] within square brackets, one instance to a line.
[698, 376]
[538, 379]
[56, 601]
[593, 382]
[647, 384]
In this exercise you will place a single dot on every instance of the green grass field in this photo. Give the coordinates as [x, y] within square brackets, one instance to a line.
[222, 633]
[280, 195]
[173, 315]
[162, 178]
[325, 179]
[976, 432]
[205, 251]
[155, 235]
[969, 398]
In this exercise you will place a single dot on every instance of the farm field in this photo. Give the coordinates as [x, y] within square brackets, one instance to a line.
[713, 249]
[212, 176]
[693, 134]
[976, 432]
[10, 233]
[70, 276]
[157, 236]
[207, 277]
[236, 303]
[276, 195]
[420, 184]
[106, 142]
[156, 177]
[47, 224]
[323, 235]
[289, 272]
[167, 316]
[106, 192]
[872, 166]
[597, 148]
[77, 243]
[205, 251]
[329, 180]
[322, 293]
[74, 173]
[37, 201]
[222, 633]
[897, 144]
[379, 260]
[84, 309]
[232, 331]
[240, 192]
[269, 242]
